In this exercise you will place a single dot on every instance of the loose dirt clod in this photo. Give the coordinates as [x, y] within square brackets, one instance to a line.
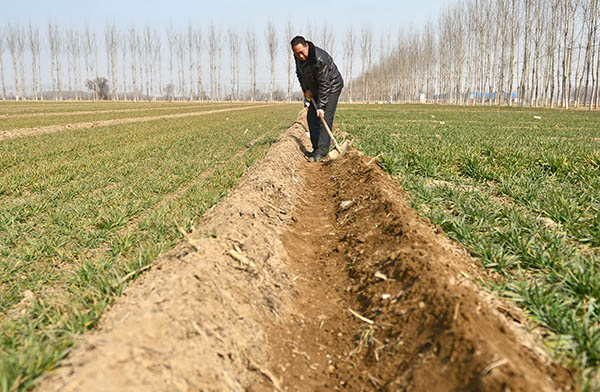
[296, 290]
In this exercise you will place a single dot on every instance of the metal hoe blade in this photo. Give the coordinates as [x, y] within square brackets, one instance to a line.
[338, 151]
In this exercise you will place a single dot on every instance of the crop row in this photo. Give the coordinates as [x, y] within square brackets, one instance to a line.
[88, 116]
[98, 204]
[521, 190]
[28, 107]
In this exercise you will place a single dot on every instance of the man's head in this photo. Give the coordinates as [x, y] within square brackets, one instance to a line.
[300, 47]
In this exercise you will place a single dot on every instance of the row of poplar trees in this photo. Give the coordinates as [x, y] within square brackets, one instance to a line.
[476, 52]
[140, 64]
[495, 52]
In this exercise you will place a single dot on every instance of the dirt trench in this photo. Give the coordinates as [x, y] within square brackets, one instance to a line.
[311, 277]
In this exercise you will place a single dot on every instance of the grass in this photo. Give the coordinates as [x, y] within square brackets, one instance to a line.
[25, 107]
[83, 209]
[522, 194]
[30, 120]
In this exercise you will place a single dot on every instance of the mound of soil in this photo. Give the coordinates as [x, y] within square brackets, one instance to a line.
[196, 320]
[311, 277]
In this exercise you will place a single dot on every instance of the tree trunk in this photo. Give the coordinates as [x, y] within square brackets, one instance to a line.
[133, 48]
[525, 71]
[13, 48]
[271, 38]
[198, 42]
[190, 46]
[2, 67]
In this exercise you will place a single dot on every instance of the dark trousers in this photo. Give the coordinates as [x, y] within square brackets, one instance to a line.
[318, 135]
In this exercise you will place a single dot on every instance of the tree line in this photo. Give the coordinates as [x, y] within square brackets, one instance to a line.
[492, 52]
[484, 52]
[136, 63]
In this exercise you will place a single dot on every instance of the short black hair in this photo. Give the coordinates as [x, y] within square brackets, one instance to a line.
[298, 40]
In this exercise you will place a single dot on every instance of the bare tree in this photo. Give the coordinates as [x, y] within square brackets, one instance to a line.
[158, 56]
[110, 43]
[236, 63]
[220, 86]
[147, 56]
[289, 30]
[366, 48]
[190, 46]
[142, 65]
[74, 43]
[271, 38]
[328, 39]
[198, 44]
[429, 45]
[233, 40]
[251, 47]
[69, 52]
[594, 15]
[12, 40]
[536, 63]
[596, 90]
[490, 42]
[213, 52]
[552, 53]
[133, 47]
[89, 43]
[514, 31]
[568, 10]
[349, 47]
[180, 53]
[171, 42]
[590, 8]
[149, 62]
[34, 47]
[124, 51]
[456, 34]
[523, 87]
[21, 40]
[2, 40]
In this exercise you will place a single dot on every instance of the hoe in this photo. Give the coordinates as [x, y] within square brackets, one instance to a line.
[338, 151]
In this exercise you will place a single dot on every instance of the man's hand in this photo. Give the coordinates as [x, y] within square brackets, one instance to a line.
[321, 113]
[307, 95]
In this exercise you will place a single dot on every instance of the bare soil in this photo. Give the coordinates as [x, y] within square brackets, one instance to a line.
[311, 277]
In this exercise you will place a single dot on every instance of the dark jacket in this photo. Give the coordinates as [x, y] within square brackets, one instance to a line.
[319, 74]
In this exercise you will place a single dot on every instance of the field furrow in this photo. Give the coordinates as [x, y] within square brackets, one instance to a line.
[24, 132]
[323, 261]
[524, 199]
[103, 204]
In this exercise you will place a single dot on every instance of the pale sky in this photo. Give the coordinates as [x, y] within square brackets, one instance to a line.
[381, 14]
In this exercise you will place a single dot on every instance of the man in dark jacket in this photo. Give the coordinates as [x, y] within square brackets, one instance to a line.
[322, 84]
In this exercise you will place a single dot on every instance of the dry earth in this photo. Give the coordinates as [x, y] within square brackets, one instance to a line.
[311, 277]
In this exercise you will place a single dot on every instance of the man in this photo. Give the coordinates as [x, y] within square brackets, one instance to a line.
[322, 84]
